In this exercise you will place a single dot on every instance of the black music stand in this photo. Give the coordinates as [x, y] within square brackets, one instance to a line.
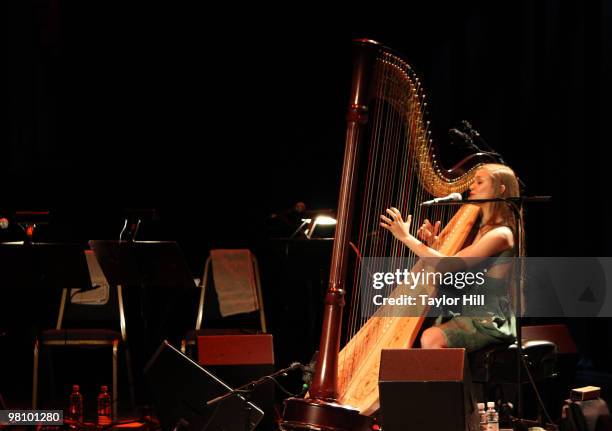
[45, 268]
[142, 267]
[49, 266]
[35, 274]
[143, 263]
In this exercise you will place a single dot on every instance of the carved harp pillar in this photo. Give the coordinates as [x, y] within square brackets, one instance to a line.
[389, 160]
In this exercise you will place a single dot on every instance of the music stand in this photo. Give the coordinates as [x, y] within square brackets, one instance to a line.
[35, 274]
[142, 266]
[182, 388]
[143, 263]
[44, 268]
[49, 266]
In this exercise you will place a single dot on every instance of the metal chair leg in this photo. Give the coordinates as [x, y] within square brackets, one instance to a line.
[115, 391]
[128, 364]
[35, 377]
[188, 349]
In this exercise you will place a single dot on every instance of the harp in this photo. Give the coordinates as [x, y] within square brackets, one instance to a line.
[389, 160]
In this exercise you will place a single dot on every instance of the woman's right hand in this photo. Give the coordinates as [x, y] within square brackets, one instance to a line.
[429, 233]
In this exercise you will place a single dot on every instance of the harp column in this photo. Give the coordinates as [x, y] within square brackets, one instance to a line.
[320, 410]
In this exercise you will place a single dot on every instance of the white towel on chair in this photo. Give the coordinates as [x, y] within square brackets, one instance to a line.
[234, 280]
[98, 295]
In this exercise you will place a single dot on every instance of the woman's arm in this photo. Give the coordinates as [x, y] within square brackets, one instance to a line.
[493, 242]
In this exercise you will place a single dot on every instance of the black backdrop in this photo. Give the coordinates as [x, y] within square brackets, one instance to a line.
[218, 117]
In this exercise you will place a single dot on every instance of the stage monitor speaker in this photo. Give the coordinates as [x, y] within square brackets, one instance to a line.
[239, 359]
[426, 389]
[181, 388]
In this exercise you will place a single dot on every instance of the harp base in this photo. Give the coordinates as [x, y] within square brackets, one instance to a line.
[309, 414]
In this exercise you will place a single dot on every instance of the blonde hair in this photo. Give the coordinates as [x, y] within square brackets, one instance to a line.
[501, 213]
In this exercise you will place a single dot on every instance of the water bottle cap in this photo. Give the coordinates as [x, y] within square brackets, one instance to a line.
[104, 388]
[75, 388]
[490, 404]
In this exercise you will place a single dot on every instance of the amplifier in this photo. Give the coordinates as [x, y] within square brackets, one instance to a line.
[241, 358]
[426, 389]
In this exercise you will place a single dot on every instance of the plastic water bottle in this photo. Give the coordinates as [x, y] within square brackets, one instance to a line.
[482, 415]
[75, 405]
[492, 417]
[104, 407]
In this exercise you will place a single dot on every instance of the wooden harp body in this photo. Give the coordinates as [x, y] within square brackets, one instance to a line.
[389, 160]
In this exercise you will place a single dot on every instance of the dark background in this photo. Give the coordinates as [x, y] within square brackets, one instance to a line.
[218, 118]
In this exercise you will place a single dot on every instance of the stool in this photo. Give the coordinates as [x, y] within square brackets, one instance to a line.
[495, 367]
[497, 363]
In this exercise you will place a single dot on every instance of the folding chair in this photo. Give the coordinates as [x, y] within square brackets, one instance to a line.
[110, 313]
[251, 279]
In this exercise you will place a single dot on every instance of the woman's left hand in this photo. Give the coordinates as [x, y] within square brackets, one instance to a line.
[395, 224]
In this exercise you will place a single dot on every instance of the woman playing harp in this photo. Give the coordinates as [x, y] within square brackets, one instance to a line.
[495, 237]
[389, 157]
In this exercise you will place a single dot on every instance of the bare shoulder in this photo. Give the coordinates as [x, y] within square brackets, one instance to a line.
[503, 234]
[491, 243]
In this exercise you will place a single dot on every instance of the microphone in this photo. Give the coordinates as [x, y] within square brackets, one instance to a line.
[453, 197]
[295, 366]
[296, 209]
[4, 223]
[458, 133]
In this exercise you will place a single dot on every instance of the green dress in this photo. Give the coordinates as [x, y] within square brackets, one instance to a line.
[474, 327]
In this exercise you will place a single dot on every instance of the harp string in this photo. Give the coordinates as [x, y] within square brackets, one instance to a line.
[391, 179]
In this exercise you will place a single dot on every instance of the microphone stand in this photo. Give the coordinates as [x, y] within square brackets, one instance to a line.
[249, 387]
[516, 205]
